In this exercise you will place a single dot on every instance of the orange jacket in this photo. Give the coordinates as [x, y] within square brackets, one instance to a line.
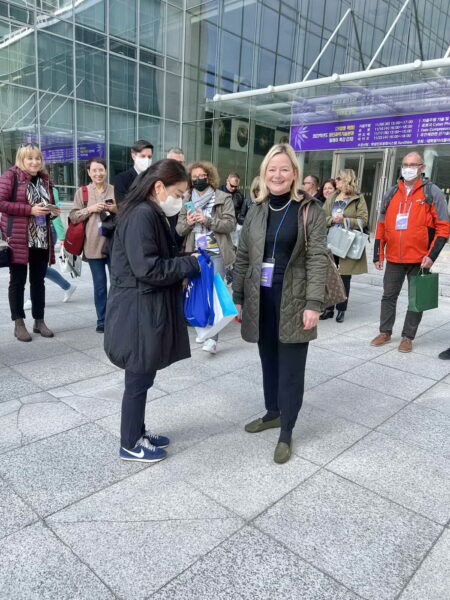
[428, 224]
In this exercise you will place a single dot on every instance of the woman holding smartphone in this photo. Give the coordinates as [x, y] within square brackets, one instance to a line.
[88, 203]
[145, 328]
[27, 206]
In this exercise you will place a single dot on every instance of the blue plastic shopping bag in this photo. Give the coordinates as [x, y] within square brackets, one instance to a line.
[198, 296]
[224, 310]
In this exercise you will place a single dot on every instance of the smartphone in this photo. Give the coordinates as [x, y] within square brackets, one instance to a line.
[109, 201]
[189, 205]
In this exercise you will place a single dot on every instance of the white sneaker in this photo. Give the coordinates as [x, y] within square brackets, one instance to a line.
[199, 341]
[69, 293]
[27, 305]
[210, 346]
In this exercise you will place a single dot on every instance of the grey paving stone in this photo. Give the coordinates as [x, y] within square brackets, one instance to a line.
[165, 549]
[181, 416]
[232, 397]
[38, 397]
[329, 362]
[98, 353]
[92, 385]
[35, 421]
[410, 476]
[14, 513]
[320, 436]
[370, 330]
[14, 385]
[314, 377]
[431, 343]
[251, 566]
[183, 374]
[421, 426]
[353, 402]
[130, 500]
[59, 392]
[35, 565]
[62, 370]
[388, 381]
[15, 353]
[237, 469]
[432, 580]
[82, 339]
[9, 407]
[430, 366]
[55, 472]
[437, 398]
[230, 356]
[351, 346]
[369, 544]
[107, 402]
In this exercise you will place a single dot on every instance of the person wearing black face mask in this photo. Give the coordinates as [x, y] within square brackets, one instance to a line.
[207, 220]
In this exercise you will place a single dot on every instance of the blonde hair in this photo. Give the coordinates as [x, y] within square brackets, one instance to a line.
[348, 176]
[26, 151]
[254, 188]
[210, 170]
[274, 151]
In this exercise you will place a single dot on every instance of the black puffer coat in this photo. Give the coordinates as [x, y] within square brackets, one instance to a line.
[144, 327]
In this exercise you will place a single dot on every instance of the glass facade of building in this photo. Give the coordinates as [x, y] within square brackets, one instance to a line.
[88, 77]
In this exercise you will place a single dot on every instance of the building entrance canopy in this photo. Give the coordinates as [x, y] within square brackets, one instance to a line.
[354, 109]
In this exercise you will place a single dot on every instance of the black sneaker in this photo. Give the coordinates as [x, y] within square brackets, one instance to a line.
[100, 329]
[445, 355]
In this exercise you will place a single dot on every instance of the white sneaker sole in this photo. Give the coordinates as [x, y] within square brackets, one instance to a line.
[146, 460]
[210, 350]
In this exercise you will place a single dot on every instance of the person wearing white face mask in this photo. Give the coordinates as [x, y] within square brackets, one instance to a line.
[141, 153]
[412, 229]
[145, 329]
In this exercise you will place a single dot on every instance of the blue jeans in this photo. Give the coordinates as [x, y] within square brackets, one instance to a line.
[98, 270]
[54, 275]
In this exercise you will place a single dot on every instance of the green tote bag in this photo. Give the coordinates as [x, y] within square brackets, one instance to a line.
[423, 291]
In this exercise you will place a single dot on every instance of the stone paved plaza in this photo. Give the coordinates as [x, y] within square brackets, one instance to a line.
[361, 511]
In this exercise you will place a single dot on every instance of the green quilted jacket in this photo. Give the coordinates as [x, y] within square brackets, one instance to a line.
[304, 278]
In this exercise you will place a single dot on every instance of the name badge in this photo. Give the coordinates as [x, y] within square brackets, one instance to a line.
[202, 242]
[401, 221]
[267, 270]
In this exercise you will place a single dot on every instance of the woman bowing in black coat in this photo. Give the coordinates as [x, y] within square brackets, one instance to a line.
[145, 329]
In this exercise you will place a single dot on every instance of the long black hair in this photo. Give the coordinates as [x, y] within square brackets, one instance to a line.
[167, 170]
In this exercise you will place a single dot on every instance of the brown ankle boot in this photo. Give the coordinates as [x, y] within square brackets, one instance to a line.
[20, 331]
[41, 327]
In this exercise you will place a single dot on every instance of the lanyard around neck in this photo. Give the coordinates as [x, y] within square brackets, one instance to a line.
[279, 227]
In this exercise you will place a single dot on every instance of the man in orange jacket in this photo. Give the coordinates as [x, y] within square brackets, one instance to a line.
[413, 227]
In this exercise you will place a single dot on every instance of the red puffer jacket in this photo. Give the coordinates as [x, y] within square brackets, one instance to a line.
[21, 212]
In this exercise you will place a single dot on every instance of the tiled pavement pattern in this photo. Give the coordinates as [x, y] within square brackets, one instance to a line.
[361, 511]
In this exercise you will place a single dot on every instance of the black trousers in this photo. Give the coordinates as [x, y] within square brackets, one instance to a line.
[37, 265]
[283, 365]
[394, 276]
[134, 400]
[346, 281]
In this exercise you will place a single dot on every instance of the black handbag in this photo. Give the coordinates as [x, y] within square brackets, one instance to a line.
[108, 220]
[5, 249]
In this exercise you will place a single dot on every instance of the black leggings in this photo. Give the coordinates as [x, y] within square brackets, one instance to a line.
[37, 264]
[283, 365]
[134, 400]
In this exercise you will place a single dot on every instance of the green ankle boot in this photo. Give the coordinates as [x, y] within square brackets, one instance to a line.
[282, 453]
[260, 425]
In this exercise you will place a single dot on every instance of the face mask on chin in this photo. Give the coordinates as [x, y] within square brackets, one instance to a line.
[142, 163]
[200, 184]
[171, 206]
[409, 173]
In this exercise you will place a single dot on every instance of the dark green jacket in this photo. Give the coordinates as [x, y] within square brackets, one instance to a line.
[304, 278]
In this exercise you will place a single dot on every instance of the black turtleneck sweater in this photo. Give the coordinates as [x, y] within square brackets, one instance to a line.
[287, 235]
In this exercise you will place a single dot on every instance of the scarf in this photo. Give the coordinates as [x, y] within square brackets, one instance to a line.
[205, 203]
[37, 234]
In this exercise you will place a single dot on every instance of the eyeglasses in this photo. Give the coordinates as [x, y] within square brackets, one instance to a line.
[413, 165]
[234, 187]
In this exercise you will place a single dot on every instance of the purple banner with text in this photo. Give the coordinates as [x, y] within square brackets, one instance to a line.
[407, 130]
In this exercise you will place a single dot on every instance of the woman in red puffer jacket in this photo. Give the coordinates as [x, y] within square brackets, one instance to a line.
[26, 206]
